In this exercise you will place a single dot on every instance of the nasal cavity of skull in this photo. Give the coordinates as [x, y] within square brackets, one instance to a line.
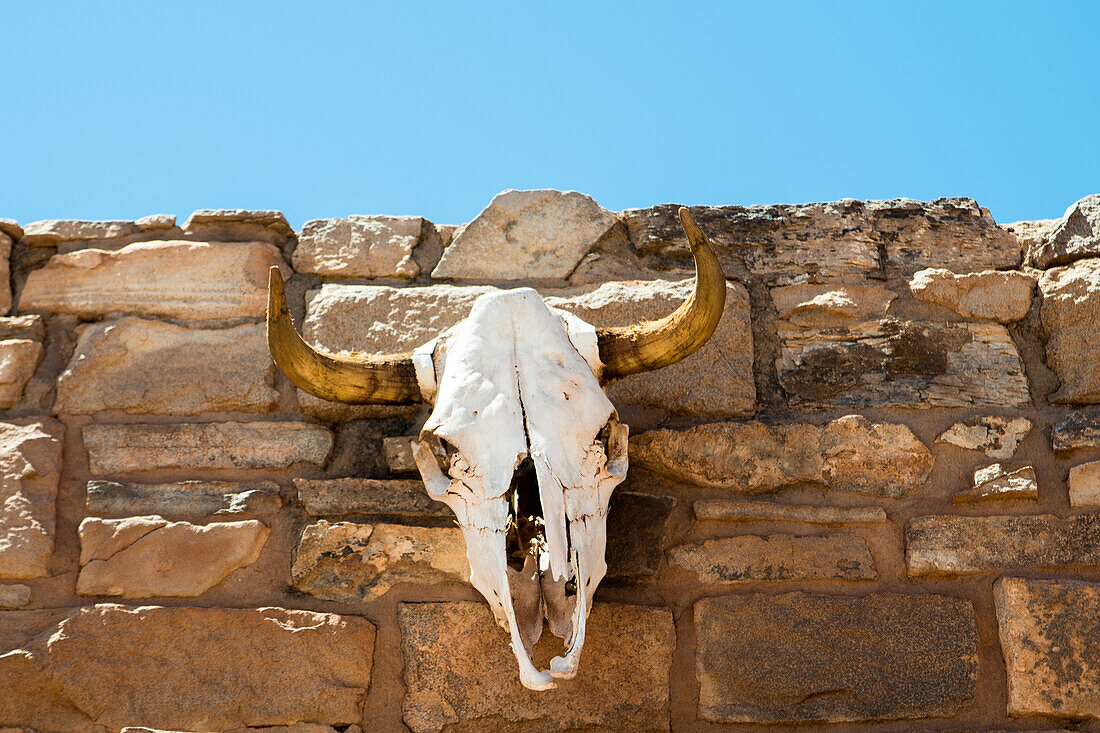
[527, 528]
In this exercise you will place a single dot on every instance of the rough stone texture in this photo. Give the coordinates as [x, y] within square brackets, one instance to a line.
[359, 246]
[736, 510]
[954, 545]
[30, 467]
[624, 685]
[398, 452]
[184, 498]
[22, 327]
[5, 272]
[1002, 296]
[11, 229]
[799, 657]
[18, 360]
[636, 528]
[902, 363]
[526, 234]
[333, 497]
[717, 380]
[174, 279]
[1071, 307]
[828, 304]
[1049, 637]
[997, 437]
[48, 232]
[1079, 429]
[238, 225]
[202, 446]
[151, 367]
[849, 453]
[994, 483]
[344, 561]
[1075, 235]
[1084, 485]
[836, 238]
[146, 557]
[14, 596]
[182, 668]
[777, 557]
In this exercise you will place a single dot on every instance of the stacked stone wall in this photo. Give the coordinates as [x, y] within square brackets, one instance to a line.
[870, 502]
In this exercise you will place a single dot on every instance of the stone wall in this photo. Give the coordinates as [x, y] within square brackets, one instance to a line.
[871, 502]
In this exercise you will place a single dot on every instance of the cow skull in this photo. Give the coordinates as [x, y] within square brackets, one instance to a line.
[522, 443]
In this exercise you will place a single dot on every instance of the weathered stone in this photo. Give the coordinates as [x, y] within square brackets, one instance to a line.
[1079, 429]
[18, 360]
[1075, 235]
[736, 510]
[184, 498]
[30, 467]
[22, 327]
[1030, 234]
[359, 246]
[800, 657]
[1071, 305]
[11, 228]
[1084, 485]
[14, 596]
[1002, 296]
[398, 452]
[956, 545]
[203, 446]
[361, 562]
[902, 363]
[333, 497]
[997, 437]
[828, 304]
[156, 222]
[190, 669]
[5, 272]
[163, 278]
[151, 367]
[460, 674]
[749, 558]
[49, 232]
[850, 453]
[636, 528]
[994, 483]
[238, 225]
[1049, 637]
[526, 234]
[146, 557]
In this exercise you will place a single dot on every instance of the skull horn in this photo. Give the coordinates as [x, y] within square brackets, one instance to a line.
[388, 379]
[651, 345]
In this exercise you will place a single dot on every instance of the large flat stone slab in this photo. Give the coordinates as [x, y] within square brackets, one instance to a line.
[460, 673]
[184, 498]
[1074, 236]
[1051, 641]
[941, 544]
[30, 467]
[751, 558]
[1071, 305]
[359, 246]
[134, 448]
[141, 366]
[182, 668]
[174, 279]
[850, 454]
[740, 510]
[799, 657]
[337, 496]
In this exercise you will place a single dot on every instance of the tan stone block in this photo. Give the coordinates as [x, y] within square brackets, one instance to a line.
[238, 225]
[29, 472]
[749, 558]
[19, 358]
[1002, 296]
[5, 272]
[1084, 485]
[828, 304]
[359, 246]
[1071, 307]
[1074, 236]
[997, 437]
[184, 498]
[333, 497]
[994, 483]
[735, 510]
[48, 232]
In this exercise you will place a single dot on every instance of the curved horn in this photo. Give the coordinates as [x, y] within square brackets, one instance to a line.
[651, 345]
[388, 379]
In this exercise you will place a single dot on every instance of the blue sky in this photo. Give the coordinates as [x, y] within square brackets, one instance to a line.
[117, 110]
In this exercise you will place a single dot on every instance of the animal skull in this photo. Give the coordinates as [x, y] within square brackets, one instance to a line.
[522, 443]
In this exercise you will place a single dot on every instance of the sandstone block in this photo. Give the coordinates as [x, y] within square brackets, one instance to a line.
[11, 228]
[1050, 639]
[997, 437]
[238, 225]
[30, 467]
[190, 669]
[164, 278]
[637, 525]
[1071, 305]
[333, 497]
[49, 232]
[184, 498]
[18, 360]
[352, 562]
[995, 483]
[359, 246]
[526, 234]
[850, 454]
[749, 558]
[901, 363]
[1084, 485]
[624, 687]
[736, 510]
[141, 366]
[1074, 236]
[1002, 296]
[145, 557]
[204, 446]
[14, 596]
[5, 272]
[957, 545]
[829, 304]
[833, 658]
[1078, 430]
[29, 327]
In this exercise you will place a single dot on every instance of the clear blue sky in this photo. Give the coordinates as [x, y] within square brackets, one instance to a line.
[117, 110]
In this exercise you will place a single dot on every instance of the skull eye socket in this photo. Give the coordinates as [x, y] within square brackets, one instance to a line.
[526, 534]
